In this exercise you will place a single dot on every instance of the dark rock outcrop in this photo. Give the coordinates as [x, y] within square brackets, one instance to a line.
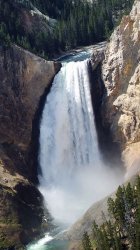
[24, 79]
[109, 149]
[31, 19]
[24, 82]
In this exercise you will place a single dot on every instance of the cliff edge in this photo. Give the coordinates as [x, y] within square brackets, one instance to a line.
[121, 77]
[24, 82]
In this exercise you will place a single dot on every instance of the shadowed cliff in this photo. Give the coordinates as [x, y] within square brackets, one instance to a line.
[25, 80]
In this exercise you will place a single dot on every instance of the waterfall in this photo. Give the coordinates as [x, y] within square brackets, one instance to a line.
[73, 175]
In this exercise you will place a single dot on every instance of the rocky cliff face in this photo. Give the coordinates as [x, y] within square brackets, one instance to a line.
[117, 84]
[121, 77]
[31, 18]
[24, 82]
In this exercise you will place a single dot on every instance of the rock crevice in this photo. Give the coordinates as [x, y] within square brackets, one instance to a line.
[121, 76]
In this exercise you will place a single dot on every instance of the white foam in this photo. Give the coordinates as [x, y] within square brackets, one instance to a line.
[39, 245]
[73, 173]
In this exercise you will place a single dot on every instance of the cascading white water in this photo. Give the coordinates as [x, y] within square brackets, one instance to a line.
[73, 175]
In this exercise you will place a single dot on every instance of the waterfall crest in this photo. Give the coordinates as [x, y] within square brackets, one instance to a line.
[72, 172]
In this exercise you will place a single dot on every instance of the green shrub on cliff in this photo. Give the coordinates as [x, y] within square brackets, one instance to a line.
[123, 229]
[79, 23]
[86, 242]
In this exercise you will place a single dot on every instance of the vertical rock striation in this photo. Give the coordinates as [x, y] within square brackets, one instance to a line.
[121, 77]
[24, 82]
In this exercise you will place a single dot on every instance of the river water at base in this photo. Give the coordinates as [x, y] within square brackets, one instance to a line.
[48, 243]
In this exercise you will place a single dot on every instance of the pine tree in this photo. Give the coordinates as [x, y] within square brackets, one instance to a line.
[123, 229]
[136, 243]
[129, 202]
[86, 242]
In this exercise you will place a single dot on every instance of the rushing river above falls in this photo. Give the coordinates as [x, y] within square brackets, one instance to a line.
[73, 175]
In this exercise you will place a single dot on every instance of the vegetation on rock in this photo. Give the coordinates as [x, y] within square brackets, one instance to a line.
[79, 23]
[122, 231]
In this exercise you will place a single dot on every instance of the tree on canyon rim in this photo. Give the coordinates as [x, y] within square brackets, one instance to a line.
[122, 231]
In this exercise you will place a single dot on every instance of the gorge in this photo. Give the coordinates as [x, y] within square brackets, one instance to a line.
[73, 174]
[34, 93]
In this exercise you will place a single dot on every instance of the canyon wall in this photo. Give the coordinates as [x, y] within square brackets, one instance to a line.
[24, 82]
[115, 88]
[121, 78]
